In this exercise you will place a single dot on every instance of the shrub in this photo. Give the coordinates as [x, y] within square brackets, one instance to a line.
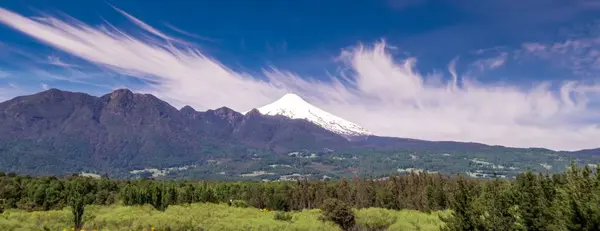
[375, 218]
[239, 204]
[282, 216]
[338, 212]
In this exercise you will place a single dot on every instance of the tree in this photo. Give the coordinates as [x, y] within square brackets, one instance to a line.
[534, 208]
[338, 212]
[497, 205]
[76, 202]
[156, 195]
[463, 212]
[580, 200]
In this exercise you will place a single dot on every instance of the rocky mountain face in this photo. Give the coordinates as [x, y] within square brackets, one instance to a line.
[63, 131]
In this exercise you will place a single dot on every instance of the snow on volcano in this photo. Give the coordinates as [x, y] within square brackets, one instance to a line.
[294, 107]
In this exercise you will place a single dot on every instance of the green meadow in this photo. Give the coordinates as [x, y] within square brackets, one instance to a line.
[208, 216]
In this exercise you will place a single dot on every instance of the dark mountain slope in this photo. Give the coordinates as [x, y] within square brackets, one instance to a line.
[72, 130]
[60, 132]
[587, 153]
[281, 134]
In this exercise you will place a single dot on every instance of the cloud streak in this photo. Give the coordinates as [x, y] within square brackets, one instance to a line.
[56, 61]
[581, 55]
[384, 95]
[491, 63]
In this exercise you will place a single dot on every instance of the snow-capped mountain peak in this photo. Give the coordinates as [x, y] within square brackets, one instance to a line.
[294, 107]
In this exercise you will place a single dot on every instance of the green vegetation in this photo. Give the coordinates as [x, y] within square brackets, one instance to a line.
[283, 216]
[532, 201]
[565, 201]
[75, 197]
[338, 212]
[424, 192]
[491, 162]
[206, 216]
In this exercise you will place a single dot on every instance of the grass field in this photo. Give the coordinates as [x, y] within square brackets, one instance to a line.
[210, 217]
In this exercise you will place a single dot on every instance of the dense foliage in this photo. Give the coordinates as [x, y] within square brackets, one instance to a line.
[338, 212]
[423, 192]
[532, 201]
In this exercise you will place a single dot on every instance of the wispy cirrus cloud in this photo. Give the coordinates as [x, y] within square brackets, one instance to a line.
[385, 95]
[491, 63]
[178, 30]
[579, 53]
[56, 61]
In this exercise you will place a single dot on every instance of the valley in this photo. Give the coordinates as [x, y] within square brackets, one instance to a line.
[368, 164]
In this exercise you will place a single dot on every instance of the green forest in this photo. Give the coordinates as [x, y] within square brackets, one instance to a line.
[425, 201]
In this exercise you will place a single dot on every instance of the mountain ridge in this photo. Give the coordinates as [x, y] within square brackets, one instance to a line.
[132, 130]
[58, 131]
[190, 111]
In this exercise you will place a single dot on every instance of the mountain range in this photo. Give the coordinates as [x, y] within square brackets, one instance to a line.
[61, 132]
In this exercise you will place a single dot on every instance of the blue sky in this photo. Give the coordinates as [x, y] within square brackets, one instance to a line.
[430, 69]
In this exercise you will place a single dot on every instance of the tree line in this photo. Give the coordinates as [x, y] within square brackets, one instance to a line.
[424, 192]
[532, 201]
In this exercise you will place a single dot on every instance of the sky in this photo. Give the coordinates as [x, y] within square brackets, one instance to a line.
[512, 73]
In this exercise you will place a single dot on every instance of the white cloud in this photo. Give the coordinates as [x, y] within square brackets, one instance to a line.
[44, 86]
[56, 61]
[384, 95]
[176, 29]
[534, 47]
[492, 62]
[146, 27]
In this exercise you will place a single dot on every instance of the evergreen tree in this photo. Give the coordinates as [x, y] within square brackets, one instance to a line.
[496, 206]
[77, 202]
[463, 212]
[534, 209]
